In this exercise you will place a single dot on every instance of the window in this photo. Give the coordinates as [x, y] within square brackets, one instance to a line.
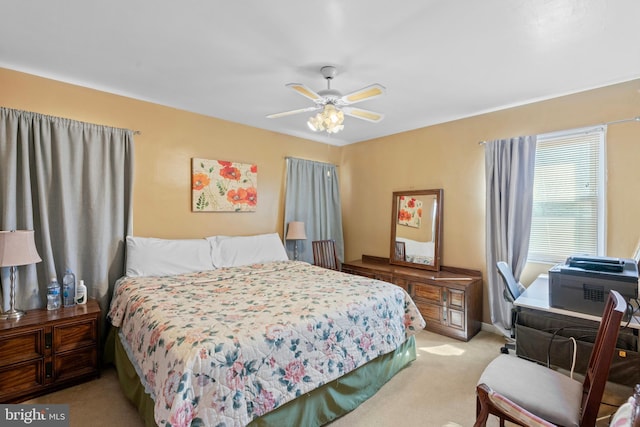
[569, 195]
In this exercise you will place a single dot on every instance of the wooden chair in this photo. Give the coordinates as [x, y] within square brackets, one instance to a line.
[627, 415]
[324, 254]
[550, 396]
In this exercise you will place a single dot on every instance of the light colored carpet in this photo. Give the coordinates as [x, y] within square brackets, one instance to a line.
[437, 390]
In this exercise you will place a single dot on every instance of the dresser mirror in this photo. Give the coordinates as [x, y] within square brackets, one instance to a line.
[416, 229]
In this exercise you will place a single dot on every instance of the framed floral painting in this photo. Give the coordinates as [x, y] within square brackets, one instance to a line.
[222, 186]
[410, 211]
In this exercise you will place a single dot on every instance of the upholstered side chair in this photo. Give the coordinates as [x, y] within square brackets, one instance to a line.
[552, 397]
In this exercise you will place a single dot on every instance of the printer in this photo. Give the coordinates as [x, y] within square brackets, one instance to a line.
[583, 283]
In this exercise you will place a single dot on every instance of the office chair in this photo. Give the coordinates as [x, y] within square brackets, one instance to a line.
[512, 290]
[511, 387]
[324, 254]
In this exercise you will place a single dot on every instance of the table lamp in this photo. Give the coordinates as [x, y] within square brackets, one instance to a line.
[17, 247]
[295, 232]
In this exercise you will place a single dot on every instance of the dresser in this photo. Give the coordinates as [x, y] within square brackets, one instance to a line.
[47, 350]
[450, 300]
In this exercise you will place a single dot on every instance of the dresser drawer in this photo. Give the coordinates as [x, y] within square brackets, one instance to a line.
[456, 299]
[430, 312]
[427, 292]
[21, 378]
[48, 350]
[70, 336]
[380, 276]
[455, 319]
[348, 270]
[404, 284]
[450, 299]
[76, 364]
[21, 347]
[368, 273]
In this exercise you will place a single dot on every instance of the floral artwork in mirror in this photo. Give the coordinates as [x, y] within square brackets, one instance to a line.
[416, 229]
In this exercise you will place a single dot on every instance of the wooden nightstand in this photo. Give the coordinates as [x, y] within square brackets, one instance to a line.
[48, 350]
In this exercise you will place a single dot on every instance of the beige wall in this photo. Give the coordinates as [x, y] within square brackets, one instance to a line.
[448, 156]
[163, 152]
[445, 156]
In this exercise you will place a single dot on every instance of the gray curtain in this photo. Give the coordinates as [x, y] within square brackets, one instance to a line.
[71, 182]
[509, 166]
[313, 197]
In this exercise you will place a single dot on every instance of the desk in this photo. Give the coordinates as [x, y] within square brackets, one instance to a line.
[544, 334]
[536, 297]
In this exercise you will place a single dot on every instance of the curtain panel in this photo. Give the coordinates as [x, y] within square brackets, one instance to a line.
[313, 197]
[509, 170]
[71, 182]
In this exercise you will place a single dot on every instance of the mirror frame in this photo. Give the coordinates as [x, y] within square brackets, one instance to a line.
[437, 227]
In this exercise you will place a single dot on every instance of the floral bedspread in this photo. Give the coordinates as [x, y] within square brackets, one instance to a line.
[222, 347]
[419, 259]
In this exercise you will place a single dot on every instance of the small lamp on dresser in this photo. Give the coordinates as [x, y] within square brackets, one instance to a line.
[295, 232]
[17, 247]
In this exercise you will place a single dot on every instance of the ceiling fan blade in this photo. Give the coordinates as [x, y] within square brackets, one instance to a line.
[365, 93]
[370, 116]
[288, 113]
[305, 91]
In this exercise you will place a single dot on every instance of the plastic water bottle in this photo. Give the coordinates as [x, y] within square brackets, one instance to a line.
[53, 294]
[69, 288]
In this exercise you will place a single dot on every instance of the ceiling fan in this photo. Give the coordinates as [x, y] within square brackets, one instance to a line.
[332, 105]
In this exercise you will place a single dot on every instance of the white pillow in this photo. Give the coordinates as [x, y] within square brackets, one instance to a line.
[234, 251]
[148, 256]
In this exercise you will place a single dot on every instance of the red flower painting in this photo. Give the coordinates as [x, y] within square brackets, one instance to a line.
[410, 212]
[224, 186]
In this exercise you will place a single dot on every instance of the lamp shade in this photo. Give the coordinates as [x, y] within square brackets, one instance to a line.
[295, 231]
[18, 247]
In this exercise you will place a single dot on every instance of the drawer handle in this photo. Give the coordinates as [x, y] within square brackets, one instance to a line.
[47, 340]
[47, 370]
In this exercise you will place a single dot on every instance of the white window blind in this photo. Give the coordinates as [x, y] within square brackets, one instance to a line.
[569, 195]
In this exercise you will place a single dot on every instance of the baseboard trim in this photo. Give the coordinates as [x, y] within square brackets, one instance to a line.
[490, 328]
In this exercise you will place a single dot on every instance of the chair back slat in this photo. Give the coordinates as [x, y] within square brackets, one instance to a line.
[601, 357]
[324, 254]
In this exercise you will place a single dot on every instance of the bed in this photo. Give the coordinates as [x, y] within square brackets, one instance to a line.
[274, 342]
[417, 252]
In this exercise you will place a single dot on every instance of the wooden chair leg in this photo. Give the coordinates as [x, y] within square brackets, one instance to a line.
[482, 408]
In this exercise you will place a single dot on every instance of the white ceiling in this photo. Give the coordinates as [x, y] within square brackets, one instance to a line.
[439, 60]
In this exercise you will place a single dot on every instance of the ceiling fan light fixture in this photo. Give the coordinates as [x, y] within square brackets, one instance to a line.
[332, 105]
[332, 114]
[313, 123]
[330, 119]
[335, 129]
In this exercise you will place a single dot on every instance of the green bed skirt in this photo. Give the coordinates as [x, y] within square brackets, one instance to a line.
[315, 408]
